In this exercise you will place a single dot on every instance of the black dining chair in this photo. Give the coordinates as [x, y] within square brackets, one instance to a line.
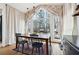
[21, 42]
[36, 43]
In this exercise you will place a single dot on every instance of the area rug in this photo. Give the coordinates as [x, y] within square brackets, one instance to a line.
[28, 51]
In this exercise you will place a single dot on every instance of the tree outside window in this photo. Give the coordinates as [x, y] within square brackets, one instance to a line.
[41, 22]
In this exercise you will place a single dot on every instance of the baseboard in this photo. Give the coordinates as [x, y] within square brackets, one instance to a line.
[58, 42]
[2, 46]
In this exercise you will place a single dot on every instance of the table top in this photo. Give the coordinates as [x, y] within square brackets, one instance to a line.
[40, 36]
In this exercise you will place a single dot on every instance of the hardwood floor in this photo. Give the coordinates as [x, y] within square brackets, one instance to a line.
[56, 49]
[9, 50]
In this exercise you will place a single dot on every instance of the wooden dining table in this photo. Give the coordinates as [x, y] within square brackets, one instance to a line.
[41, 37]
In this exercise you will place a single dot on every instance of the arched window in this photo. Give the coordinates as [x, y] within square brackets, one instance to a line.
[41, 22]
[44, 22]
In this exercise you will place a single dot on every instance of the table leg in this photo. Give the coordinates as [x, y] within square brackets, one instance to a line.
[47, 47]
[50, 46]
[50, 41]
[16, 42]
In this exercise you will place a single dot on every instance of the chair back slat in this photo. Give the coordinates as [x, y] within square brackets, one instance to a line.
[35, 40]
[19, 34]
[34, 35]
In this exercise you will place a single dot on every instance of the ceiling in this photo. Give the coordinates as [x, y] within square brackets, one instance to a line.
[23, 6]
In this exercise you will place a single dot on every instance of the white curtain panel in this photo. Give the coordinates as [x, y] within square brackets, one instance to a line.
[77, 19]
[51, 21]
[10, 13]
[19, 22]
[68, 19]
[29, 27]
[15, 23]
[26, 27]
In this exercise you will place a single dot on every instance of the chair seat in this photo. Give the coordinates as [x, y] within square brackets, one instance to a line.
[37, 44]
[23, 42]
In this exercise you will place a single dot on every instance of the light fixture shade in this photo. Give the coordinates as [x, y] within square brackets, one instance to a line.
[76, 11]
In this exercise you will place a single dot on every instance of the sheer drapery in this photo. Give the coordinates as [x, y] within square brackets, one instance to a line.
[15, 23]
[51, 25]
[29, 27]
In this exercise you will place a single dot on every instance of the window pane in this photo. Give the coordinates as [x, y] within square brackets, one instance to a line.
[41, 23]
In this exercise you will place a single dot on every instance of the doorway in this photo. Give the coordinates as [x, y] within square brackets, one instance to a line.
[0, 28]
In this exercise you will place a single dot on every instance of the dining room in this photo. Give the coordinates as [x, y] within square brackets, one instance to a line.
[34, 28]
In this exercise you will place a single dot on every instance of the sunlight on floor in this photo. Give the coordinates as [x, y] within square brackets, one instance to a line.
[56, 49]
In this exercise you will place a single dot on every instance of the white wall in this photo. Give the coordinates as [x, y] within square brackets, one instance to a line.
[77, 24]
[68, 19]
